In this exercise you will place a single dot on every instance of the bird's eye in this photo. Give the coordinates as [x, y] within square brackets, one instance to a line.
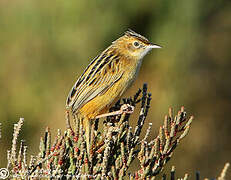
[136, 44]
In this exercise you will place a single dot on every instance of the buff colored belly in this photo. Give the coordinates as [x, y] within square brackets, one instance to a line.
[101, 104]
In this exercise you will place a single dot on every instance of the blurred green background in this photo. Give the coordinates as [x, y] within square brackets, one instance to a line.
[45, 45]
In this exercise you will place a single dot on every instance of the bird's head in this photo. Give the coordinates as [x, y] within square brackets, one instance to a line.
[134, 45]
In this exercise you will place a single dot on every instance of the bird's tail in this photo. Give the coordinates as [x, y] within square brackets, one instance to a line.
[87, 127]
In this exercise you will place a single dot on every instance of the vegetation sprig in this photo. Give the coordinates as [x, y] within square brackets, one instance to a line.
[113, 147]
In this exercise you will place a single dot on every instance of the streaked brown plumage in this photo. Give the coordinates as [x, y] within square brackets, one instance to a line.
[107, 77]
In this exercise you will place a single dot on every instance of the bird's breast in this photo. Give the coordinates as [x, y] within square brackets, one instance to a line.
[101, 103]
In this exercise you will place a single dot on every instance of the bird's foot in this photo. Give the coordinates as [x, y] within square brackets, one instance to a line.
[125, 108]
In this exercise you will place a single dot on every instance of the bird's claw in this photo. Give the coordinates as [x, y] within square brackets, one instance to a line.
[127, 109]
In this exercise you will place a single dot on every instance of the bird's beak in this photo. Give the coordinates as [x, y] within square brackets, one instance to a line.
[152, 46]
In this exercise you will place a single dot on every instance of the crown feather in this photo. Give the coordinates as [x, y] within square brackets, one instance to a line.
[132, 33]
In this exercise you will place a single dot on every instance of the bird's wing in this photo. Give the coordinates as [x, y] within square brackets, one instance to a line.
[98, 77]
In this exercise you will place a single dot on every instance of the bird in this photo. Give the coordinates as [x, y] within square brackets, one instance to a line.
[106, 78]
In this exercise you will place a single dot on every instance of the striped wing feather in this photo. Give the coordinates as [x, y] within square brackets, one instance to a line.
[97, 78]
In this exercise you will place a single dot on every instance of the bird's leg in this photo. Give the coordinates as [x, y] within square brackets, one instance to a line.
[125, 108]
